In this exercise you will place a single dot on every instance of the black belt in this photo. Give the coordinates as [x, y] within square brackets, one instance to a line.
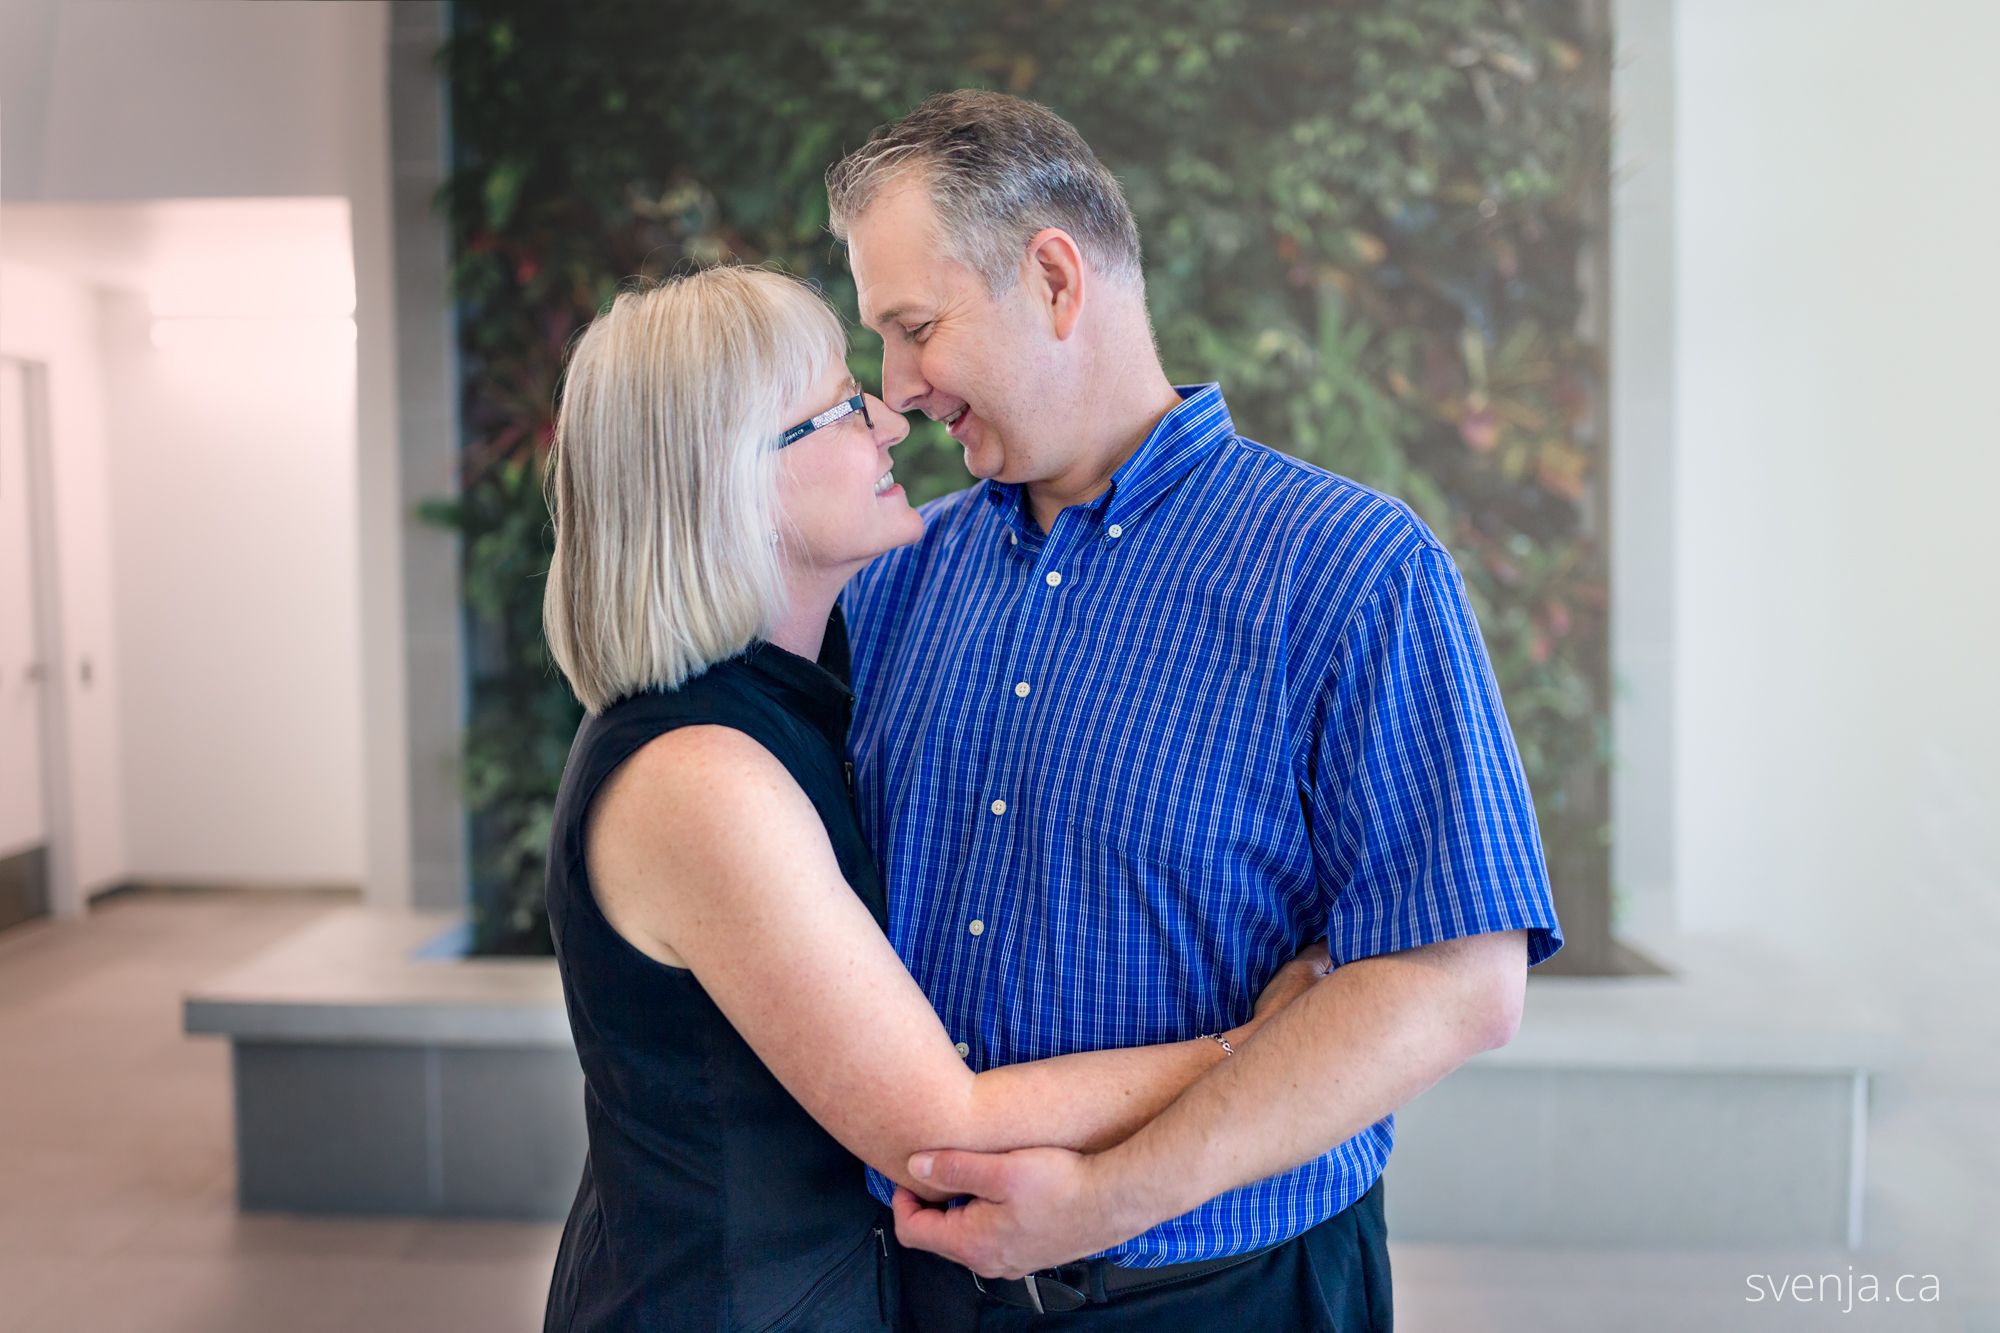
[1095, 1281]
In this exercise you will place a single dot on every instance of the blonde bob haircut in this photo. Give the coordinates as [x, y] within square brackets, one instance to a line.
[662, 476]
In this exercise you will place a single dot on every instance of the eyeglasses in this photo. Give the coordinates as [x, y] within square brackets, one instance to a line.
[838, 412]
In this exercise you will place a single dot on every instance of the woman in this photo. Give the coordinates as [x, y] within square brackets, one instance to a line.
[745, 1029]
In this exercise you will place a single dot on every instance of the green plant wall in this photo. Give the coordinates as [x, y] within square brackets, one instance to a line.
[1376, 224]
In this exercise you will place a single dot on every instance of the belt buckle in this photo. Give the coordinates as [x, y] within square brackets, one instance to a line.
[1058, 1298]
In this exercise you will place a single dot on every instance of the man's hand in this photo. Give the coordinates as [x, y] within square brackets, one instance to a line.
[1293, 980]
[1032, 1209]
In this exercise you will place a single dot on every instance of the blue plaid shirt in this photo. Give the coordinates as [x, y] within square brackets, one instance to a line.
[1118, 774]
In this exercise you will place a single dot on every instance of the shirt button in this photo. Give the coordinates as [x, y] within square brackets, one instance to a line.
[998, 807]
[1053, 579]
[1115, 531]
[977, 928]
[1021, 690]
[964, 1051]
[1013, 539]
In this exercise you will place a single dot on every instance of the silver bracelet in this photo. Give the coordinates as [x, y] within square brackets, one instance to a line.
[1219, 1040]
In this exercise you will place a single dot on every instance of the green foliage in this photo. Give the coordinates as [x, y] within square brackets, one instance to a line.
[1370, 221]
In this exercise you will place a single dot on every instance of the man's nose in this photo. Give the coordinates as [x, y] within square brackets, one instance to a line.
[902, 387]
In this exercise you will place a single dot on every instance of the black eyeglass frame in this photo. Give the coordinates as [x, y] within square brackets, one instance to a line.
[838, 412]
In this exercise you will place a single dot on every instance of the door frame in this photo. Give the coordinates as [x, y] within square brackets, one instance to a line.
[65, 900]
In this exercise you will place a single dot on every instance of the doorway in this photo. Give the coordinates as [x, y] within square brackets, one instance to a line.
[30, 810]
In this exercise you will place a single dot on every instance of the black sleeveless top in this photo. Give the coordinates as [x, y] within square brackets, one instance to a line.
[710, 1199]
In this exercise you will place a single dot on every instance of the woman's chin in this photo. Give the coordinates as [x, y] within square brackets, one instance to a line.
[909, 527]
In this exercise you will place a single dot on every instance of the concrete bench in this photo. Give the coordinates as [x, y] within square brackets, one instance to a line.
[1727, 1103]
[377, 1073]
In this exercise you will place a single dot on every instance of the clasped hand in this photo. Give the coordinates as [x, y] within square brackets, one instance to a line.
[1030, 1209]
[1037, 1208]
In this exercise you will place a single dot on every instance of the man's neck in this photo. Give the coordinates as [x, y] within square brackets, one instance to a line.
[1119, 431]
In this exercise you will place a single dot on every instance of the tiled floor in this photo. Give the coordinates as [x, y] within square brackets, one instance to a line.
[116, 1207]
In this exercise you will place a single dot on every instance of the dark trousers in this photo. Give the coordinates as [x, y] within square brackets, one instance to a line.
[1331, 1279]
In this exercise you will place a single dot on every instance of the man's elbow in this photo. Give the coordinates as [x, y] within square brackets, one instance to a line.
[1500, 991]
[1503, 1016]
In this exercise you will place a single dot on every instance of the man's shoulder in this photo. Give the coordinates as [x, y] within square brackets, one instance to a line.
[1323, 522]
[1333, 544]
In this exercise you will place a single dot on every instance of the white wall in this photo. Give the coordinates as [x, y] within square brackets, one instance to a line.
[52, 320]
[1836, 610]
[144, 100]
[1837, 459]
[383, 511]
[234, 496]
[1642, 468]
[234, 490]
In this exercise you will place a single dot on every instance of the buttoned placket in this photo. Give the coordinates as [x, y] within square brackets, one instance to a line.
[1023, 634]
[990, 901]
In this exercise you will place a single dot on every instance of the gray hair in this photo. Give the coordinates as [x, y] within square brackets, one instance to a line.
[998, 169]
[663, 477]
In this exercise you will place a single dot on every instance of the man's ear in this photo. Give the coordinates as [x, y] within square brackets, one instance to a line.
[1056, 275]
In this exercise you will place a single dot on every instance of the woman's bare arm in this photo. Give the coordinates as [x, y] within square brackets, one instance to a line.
[704, 852]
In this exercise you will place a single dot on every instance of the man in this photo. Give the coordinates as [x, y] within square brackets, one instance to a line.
[1149, 708]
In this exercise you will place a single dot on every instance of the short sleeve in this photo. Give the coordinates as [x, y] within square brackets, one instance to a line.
[1422, 825]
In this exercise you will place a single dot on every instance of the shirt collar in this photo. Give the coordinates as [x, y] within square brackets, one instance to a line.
[1181, 439]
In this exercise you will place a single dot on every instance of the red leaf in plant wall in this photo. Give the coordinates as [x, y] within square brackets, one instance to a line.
[1480, 430]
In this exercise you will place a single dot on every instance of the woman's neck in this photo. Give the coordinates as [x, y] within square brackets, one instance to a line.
[809, 599]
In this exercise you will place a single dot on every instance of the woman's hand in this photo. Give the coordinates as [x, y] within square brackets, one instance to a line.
[1291, 981]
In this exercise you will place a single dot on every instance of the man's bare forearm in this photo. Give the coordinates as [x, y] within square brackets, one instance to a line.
[1363, 1042]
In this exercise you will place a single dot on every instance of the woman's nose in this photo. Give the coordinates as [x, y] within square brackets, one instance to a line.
[891, 426]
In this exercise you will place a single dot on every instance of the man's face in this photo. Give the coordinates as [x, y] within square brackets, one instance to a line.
[983, 365]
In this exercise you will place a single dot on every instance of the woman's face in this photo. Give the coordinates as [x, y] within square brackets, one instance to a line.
[838, 505]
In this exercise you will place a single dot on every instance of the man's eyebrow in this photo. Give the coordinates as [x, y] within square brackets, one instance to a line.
[885, 317]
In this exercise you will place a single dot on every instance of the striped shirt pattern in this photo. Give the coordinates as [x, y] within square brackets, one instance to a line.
[1118, 774]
